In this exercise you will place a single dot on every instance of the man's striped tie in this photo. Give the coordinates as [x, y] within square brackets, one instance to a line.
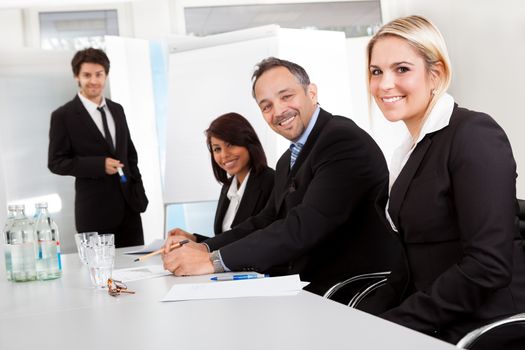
[295, 148]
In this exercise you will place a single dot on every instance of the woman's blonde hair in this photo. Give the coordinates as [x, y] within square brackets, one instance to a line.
[428, 42]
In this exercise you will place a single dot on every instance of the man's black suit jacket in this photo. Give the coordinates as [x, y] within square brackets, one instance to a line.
[258, 189]
[454, 205]
[321, 220]
[78, 148]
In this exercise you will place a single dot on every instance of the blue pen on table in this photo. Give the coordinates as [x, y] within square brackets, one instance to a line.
[238, 277]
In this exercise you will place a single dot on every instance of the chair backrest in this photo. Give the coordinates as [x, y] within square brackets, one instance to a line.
[469, 340]
[354, 302]
[346, 291]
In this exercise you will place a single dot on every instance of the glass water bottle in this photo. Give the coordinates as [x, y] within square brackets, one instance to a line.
[48, 262]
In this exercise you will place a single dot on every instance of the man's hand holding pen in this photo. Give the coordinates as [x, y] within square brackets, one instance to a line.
[112, 165]
[190, 259]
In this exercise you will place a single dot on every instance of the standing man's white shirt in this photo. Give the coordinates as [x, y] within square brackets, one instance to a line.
[91, 107]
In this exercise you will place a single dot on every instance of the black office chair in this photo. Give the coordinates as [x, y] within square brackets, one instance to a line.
[470, 340]
[353, 290]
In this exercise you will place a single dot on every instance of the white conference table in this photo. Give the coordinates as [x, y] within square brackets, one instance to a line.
[68, 313]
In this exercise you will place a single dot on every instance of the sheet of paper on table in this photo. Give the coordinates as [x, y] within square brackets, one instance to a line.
[139, 273]
[258, 287]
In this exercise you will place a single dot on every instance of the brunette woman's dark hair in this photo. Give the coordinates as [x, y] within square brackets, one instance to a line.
[234, 129]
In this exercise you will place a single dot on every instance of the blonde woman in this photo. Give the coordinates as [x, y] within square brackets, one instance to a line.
[452, 190]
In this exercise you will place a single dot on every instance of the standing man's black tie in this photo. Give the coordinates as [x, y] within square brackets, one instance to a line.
[107, 134]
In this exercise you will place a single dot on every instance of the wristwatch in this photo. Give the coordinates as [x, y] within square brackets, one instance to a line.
[216, 261]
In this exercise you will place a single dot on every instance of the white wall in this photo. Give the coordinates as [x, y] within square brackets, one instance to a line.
[11, 28]
[33, 83]
[486, 42]
[357, 77]
[131, 85]
[151, 19]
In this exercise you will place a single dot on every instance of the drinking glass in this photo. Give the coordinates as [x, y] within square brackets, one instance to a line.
[100, 254]
[105, 239]
[82, 240]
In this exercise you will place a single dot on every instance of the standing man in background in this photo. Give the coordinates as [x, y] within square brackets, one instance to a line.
[90, 140]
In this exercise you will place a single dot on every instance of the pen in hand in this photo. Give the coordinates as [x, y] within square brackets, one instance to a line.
[238, 277]
[123, 178]
[158, 251]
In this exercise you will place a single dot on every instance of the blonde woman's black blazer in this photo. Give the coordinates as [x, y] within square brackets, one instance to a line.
[454, 204]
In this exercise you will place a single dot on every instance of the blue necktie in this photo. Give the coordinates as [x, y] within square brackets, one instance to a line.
[295, 148]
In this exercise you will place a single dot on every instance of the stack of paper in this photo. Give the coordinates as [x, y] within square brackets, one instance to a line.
[258, 287]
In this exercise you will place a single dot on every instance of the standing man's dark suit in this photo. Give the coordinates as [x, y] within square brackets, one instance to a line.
[321, 220]
[78, 148]
[258, 189]
[454, 205]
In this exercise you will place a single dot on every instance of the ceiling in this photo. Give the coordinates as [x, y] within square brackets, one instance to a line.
[326, 15]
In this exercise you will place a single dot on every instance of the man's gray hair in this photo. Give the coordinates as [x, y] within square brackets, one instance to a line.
[273, 62]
